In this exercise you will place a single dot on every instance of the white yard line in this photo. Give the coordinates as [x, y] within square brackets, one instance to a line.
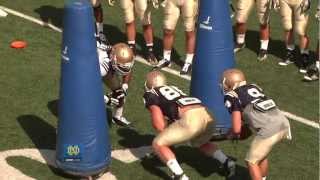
[141, 60]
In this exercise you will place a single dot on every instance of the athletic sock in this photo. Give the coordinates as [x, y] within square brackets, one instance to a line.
[167, 54]
[174, 166]
[264, 44]
[220, 156]
[241, 38]
[189, 58]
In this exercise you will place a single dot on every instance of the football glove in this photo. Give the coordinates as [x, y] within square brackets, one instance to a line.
[125, 87]
[111, 2]
[119, 94]
[110, 100]
[305, 5]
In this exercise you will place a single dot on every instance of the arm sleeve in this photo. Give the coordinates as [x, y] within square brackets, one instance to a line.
[150, 99]
[232, 103]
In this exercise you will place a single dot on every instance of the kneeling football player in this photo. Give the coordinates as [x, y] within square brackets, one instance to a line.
[179, 118]
[247, 102]
[115, 67]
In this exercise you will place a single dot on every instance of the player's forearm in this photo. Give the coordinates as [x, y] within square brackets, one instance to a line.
[127, 78]
[236, 122]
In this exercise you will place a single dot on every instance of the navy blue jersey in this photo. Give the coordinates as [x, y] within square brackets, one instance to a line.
[168, 98]
[238, 99]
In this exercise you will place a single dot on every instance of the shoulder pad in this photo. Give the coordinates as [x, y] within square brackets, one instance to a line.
[257, 87]
[232, 94]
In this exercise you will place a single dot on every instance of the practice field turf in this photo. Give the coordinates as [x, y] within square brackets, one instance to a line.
[29, 88]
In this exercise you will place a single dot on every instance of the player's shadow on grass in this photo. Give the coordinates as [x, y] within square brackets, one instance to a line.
[133, 139]
[53, 107]
[50, 14]
[43, 136]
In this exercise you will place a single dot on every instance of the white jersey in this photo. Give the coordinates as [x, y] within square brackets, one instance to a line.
[104, 60]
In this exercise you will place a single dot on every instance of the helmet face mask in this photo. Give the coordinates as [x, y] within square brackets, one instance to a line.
[232, 79]
[122, 58]
[154, 79]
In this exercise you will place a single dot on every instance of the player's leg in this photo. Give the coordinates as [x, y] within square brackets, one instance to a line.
[263, 13]
[114, 83]
[227, 164]
[98, 14]
[243, 9]
[171, 15]
[258, 152]
[286, 13]
[211, 149]
[313, 69]
[189, 12]
[173, 134]
[130, 26]
[144, 14]
[264, 167]
[300, 26]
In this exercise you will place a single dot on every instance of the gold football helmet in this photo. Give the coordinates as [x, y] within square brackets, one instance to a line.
[232, 79]
[122, 58]
[155, 79]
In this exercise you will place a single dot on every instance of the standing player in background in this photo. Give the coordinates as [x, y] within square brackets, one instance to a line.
[98, 14]
[179, 118]
[243, 9]
[295, 15]
[172, 10]
[143, 11]
[313, 69]
[247, 102]
[115, 69]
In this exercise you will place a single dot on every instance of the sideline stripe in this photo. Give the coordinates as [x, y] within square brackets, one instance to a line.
[141, 60]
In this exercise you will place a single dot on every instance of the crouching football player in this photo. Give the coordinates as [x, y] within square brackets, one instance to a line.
[115, 68]
[179, 118]
[247, 102]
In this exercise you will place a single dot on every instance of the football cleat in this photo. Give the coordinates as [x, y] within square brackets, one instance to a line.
[151, 58]
[163, 63]
[185, 69]
[155, 79]
[288, 59]
[232, 79]
[229, 168]
[238, 47]
[303, 63]
[133, 47]
[180, 177]
[312, 73]
[122, 58]
[263, 54]
[122, 121]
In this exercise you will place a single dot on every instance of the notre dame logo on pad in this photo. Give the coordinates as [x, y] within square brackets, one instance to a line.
[72, 152]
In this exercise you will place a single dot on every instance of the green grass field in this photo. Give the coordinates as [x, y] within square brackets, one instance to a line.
[29, 90]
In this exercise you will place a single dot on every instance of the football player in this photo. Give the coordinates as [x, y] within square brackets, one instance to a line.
[313, 69]
[243, 9]
[179, 118]
[172, 10]
[295, 15]
[115, 68]
[143, 12]
[248, 104]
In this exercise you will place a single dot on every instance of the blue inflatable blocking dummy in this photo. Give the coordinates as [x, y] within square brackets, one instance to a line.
[83, 146]
[214, 54]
